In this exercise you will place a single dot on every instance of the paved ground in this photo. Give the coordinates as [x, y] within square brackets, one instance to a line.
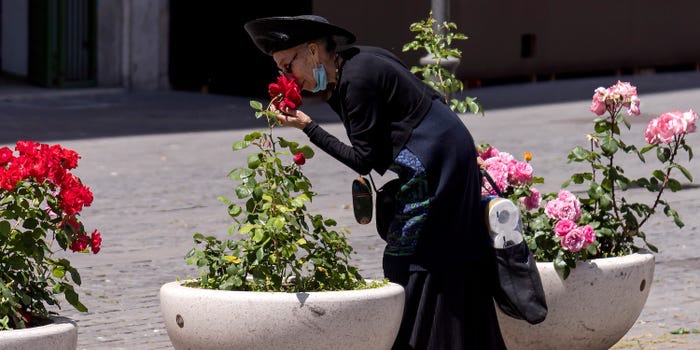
[156, 161]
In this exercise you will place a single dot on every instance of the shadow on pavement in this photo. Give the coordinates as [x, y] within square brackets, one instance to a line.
[45, 115]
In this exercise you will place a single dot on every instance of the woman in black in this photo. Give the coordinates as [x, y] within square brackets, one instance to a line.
[436, 246]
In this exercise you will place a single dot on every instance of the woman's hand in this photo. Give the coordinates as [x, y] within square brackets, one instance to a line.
[292, 117]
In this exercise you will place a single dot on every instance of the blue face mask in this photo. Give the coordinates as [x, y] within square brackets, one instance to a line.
[320, 76]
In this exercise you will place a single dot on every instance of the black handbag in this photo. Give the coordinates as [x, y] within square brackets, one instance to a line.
[362, 200]
[518, 290]
[385, 203]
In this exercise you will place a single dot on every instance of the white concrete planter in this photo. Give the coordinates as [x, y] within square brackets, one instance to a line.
[592, 309]
[212, 319]
[61, 334]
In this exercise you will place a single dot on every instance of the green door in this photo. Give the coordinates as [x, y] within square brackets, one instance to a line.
[62, 43]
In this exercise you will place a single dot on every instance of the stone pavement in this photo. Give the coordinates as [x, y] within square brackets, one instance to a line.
[156, 161]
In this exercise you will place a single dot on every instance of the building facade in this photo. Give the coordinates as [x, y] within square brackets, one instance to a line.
[188, 45]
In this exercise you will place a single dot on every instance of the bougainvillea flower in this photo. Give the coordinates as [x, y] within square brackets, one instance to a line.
[285, 93]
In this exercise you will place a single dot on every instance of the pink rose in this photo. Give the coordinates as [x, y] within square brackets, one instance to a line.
[690, 117]
[665, 127]
[634, 106]
[598, 102]
[533, 200]
[521, 172]
[488, 153]
[573, 241]
[566, 206]
[624, 89]
[565, 195]
[588, 234]
[498, 172]
[563, 227]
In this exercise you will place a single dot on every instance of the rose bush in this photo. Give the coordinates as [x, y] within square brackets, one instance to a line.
[284, 248]
[599, 221]
[40, 204]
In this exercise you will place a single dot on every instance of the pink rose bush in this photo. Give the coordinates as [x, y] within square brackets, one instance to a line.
[595, 220]
[40, 203]
[514, 178]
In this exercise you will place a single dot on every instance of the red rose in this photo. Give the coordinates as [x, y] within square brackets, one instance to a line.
[5, 155]
[27, 318]
[285, 93]
[79, 243]
[95, 241]
[299, 158]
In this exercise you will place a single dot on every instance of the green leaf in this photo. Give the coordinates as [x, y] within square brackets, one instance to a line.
[685, 172]
[30, 223]
[72, 298]
[234, 210]
[5, 228]
[609, 145]
[243, 191]
[258, 235]
[306, 150]
[245, 229]
[256, 105]
[674, 185]
[663, 153]
[253, 160]
[240, 145]
[580, 153]
[648, 148]
[58, 272]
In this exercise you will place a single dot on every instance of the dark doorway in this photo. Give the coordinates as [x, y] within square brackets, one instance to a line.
[211, 52]
[63, 43]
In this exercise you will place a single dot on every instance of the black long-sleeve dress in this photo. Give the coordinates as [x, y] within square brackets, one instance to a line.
[437, 247]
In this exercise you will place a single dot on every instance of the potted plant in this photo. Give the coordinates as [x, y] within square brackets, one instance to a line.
[287, 283]
[40, 204]
[593, 257]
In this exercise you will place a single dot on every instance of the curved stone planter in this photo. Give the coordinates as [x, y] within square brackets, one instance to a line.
[212, 319]
[60, 334]
[592, 309]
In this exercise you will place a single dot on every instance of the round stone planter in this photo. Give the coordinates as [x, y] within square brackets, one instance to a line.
[212, 319]
[592, 309]
[60, 334]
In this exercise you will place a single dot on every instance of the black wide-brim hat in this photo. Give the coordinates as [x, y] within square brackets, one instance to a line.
[272, 34]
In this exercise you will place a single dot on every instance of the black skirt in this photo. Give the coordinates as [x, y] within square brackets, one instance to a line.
[445, 312]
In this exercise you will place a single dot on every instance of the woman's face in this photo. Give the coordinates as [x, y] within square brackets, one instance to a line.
[298, 62]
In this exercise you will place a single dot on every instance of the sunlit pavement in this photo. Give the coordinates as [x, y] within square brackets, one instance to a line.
[156, 161]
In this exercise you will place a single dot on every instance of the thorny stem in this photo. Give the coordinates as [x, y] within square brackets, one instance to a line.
[269, 124]
[613, 124]
[666, 177]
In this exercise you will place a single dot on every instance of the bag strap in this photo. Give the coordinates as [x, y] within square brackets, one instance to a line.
[491, 182]
[371, 180]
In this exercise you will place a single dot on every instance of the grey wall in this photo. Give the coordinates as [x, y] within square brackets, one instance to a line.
[133, 44]
[571, 36]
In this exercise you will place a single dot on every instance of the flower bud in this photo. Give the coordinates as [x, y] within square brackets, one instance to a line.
[299, 159]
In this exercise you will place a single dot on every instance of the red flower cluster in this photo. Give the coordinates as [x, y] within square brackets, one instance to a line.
[49, 165]
[285, 94]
